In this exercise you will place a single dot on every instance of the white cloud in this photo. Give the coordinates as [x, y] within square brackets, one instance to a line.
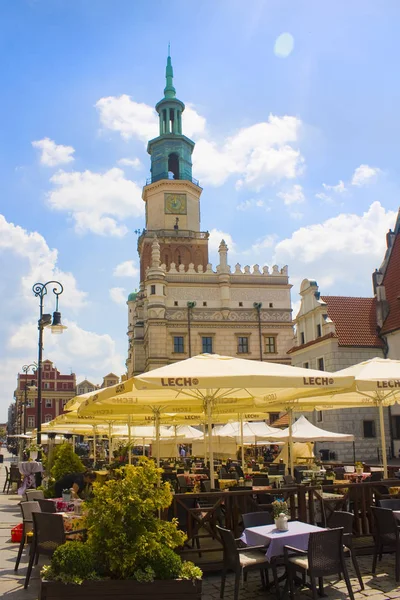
[293, 196]
[216, 236]
[97, 202]
[126, 269]
[118, 295]
[338, 188]
[261, 245]
[135, 163]
[257, 155]
[53, 154]
[26, 259]
[247, 204]
[342, 250]
[364, 174]
[297, 215]
[136, 119]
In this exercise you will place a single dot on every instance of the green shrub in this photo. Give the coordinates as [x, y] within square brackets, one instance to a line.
[190, 571]
[165, 563]
[72, 562]
[123, 527]
[65, 462]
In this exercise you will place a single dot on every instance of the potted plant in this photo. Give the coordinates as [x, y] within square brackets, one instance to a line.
[130, 552]
[279, 508]
[66, 495]
[33, 450]
[359, 468]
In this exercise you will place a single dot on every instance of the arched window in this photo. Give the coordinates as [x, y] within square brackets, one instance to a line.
[173, 165]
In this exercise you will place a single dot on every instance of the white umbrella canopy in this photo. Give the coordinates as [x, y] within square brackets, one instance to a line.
[217, 380]
[187, 432]
[304, 431]
[259, 430]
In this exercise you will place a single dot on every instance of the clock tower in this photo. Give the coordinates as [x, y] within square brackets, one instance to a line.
[171, 194]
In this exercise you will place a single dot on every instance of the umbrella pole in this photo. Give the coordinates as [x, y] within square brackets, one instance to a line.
[177, 455]
[144, 448]
[290, 413]
[205, 442]
[210, 444]
[94, 445]
[157, 415]
[383, 441]
[241, 439]
[109, 441]
[129, 441]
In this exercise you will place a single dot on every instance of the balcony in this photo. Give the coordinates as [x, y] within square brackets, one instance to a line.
[161, 176]
[173, 233]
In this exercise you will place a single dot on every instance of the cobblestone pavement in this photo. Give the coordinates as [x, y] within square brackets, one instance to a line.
[380, 587]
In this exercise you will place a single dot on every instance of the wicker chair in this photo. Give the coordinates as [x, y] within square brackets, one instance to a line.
[289, 480]
[14, 477]
[386, 536]
[344, 519]
[47, 506]
[32, 495]
[391, 503]
[240, 561]
[48, 534]
[183, 485]
[323, 557]
[257, 519]
[27, 508]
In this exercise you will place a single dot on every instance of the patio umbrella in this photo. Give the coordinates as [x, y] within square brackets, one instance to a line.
[376, 382]
[215, 380]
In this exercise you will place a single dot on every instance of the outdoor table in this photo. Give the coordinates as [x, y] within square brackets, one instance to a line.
[355, 476]
[196, 476]
[225, 483]
[261, 488]
[28, 469]
[268, 535]
[62, 506]
[274, 478]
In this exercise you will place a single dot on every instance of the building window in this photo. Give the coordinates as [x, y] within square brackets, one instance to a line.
[47, 418]
[31, 403]
[240, 304]
[64, 402]
[175, 302]
[179, 347]
[320, 364]
[369, 429]
[48, 402]
[152, 290]
[204, 303]
[270, 344]
[207, 346]
[46, 386]
[31, 422]
[243, 345]
[319, 416]
[302, 338]
[273, 417]
[271, 305]
[319, 330]
[306, 365]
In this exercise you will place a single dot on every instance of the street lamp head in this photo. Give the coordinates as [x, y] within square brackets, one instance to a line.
[45, 320]
[57, 327]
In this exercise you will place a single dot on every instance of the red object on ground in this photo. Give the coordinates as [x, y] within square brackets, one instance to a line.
[16, 533]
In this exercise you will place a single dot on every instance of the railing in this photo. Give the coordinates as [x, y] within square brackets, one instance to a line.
[199, 513]
[175, 233]
[161, 176]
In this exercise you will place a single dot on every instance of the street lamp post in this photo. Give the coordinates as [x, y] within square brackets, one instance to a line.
[258, 306]
[45, 320]
[25, 369]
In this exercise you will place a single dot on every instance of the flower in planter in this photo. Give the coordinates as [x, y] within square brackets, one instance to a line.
[278, 507]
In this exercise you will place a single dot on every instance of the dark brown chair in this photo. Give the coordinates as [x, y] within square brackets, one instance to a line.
[289, 480]
[240, 561]
[15, 477]
[386, 536]
[260, 481]
[48, 534]
[27, 508]
[257, 519]
[323, 557]
[340, 518]
[32, 495]
[391, 503]
[183, 485]
[47, 506]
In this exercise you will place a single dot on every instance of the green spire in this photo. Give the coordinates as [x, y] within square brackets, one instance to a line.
[169, 90]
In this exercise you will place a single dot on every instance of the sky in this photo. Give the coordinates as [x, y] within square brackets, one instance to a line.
[293, 106]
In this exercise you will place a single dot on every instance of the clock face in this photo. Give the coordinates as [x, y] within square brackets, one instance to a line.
[175, 204]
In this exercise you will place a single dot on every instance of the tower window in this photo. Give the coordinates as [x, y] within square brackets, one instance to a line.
[319, 330]
[302, 338]
[179, 259]
[271, 305]
[204, 303]
[175, 302]
[240, 303]
[173, 165]
[152, 289]
[207, 346]
[178, 344]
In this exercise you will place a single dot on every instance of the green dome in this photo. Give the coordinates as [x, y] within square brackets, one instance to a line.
[132, 296]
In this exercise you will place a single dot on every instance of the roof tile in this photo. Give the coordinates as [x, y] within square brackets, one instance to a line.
[354, 319]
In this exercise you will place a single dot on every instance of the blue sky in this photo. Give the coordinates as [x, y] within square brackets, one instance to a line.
[296, 149]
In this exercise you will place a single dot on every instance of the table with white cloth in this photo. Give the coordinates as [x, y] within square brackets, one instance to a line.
[275, 540]
[28, 469]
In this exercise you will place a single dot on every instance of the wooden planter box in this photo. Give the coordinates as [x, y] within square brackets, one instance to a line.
[176, 589]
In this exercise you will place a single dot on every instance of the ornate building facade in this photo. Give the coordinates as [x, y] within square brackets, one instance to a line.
[185, 307]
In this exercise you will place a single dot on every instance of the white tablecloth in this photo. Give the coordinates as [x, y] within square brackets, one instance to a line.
[28, 470]
[268, 535]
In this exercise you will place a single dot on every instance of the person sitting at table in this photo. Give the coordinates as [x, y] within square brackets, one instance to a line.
[76, 482]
